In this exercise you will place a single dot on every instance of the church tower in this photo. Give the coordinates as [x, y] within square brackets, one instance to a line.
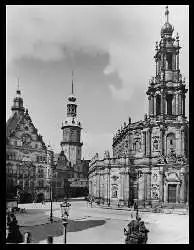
[70, 143]
[166, 91]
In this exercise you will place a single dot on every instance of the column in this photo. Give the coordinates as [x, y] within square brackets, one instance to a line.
[149, 107]
[174, 61]
[174, 105]
[152, 105]
[162, 102]
[182, 188]
[183, 142]
[148, 187]
[165, 192]
[141, 190]
[177, 61]
[177, 102]
[187, 188]
[121, 186]
[126, 187]
[161, 188]
[144, 142]
[178, 193]
[145, 188]
[183, 104]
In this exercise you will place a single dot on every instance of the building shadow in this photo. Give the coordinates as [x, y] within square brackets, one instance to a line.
[41, 232]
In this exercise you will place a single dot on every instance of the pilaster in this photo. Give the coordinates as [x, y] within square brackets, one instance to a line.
[161, 188]
[182, 188]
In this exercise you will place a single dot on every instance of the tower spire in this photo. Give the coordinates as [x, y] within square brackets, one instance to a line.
[72, 83]
[18, 92]
[167, 13]
[18, 83]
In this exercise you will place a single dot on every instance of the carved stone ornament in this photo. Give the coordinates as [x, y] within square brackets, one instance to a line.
[181, 160]
[162, 159]
[171, 158]
[114, 177]
[172, 176]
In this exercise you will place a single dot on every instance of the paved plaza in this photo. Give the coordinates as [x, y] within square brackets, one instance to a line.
[98, 225]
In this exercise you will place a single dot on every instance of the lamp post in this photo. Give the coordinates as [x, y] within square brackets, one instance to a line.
[139, 174]
[65, 206]
[109, 167]
[51, 200]
[50, 181]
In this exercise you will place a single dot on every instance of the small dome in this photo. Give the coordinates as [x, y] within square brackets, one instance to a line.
[72, 98]
[167, 29]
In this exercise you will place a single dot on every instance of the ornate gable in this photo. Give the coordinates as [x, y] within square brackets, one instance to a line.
[22, 132]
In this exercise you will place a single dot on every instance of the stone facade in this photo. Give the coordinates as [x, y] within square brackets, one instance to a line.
[150, 157]
[27, 157]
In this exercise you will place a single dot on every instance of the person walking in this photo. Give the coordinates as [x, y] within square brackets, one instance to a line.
[50, 239]
[13, 234]
[27, 238]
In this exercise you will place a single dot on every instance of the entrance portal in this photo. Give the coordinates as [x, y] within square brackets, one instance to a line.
[172, 193]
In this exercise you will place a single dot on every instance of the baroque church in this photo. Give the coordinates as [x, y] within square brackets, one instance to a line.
[150, 163]
[27, 157]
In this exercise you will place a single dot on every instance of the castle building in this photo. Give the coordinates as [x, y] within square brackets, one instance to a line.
[150, 157]
[69, 165]
[27, 157]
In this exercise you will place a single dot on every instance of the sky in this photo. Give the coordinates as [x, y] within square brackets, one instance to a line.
[111, 50]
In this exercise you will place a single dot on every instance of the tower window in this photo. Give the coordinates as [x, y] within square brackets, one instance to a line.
[158, 104]
[171, 142]
[169, 104]
[169, 60]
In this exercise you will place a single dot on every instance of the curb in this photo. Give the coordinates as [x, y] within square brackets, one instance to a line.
[147, 210]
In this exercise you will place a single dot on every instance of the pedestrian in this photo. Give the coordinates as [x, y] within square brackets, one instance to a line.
[50, 239]
[135, 206]
[91, 200]
[27, 237]
[13, 234]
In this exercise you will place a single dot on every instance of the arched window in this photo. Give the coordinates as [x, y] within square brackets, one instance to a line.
[169, 98]
[158, 104]
[171, 144]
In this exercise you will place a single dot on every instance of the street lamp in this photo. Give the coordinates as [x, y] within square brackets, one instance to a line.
[51, 199]
[50, 181]
[139, 174]
[109, 167]
[65, 206]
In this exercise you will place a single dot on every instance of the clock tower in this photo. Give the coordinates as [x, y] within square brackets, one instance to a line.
[71, 128]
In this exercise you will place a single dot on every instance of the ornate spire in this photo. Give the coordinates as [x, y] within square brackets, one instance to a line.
[18, 92]
[167, 28]
[72, 82]
[167, 13]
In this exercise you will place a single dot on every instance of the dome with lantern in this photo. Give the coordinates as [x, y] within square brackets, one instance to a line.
[167, 28]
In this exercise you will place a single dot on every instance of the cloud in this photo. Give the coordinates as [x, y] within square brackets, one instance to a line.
[50, 33]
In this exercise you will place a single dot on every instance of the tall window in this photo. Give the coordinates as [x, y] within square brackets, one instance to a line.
[158, 104]
[169, 61]
[171, 143]
[169, 98]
